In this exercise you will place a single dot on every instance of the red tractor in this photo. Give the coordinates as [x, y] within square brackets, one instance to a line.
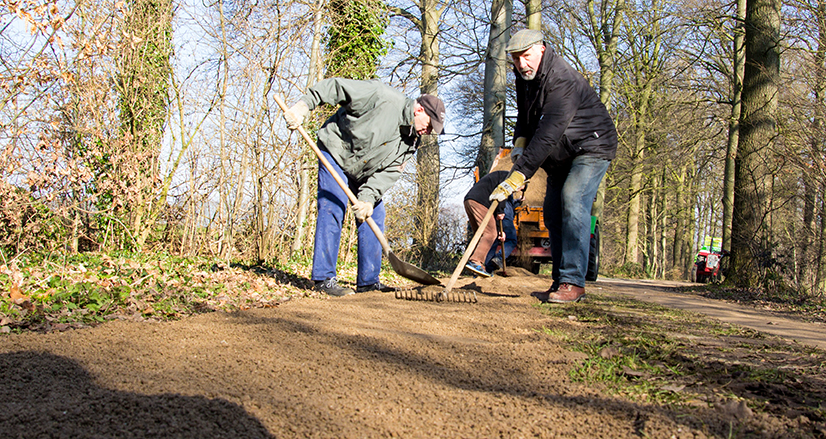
[707, 265]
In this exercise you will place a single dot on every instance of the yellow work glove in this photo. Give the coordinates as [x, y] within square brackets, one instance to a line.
[362, 210]
[295, 115]
[507, 187]
[518, 148]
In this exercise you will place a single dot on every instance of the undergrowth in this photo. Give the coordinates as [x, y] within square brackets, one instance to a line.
[55, 292]
[809, 306]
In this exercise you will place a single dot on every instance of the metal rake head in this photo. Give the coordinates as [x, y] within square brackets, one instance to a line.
[429, 295]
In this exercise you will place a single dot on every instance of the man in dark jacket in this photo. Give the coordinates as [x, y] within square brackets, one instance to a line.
[563, 127]
[375, 130]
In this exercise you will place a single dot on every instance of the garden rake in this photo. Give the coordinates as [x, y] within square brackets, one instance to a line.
[472, 246]
[430, 295]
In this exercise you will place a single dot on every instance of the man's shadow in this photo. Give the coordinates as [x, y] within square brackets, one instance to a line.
[47, 396]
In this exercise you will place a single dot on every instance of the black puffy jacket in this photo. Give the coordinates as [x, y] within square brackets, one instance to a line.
[561, 117]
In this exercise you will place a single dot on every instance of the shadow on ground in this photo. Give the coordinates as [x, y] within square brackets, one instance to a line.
[46, 395]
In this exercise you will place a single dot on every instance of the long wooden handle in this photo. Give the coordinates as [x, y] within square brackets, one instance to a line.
[375, 227]
[472, 246]
[502, 240]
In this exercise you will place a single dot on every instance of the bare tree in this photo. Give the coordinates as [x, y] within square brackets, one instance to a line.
[314, 74]
[751, 242]
[144, 70]
[426, 22]
[645, 63]
[738, 68]
[495, 87]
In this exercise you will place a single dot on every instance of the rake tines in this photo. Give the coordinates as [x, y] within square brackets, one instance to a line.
[460, 296]
[431, 295]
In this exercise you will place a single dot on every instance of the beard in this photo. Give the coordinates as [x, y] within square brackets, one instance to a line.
[529, 75]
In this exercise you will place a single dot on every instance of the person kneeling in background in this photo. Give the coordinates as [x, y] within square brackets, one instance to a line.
[484, 258]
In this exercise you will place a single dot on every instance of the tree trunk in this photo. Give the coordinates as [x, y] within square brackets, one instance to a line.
[224, 215]
[305, 162]
[428, 159]
[603, 31]
[681, 233]
[652, 214]
[820, 281]
[806, 261]
[644, 64]
[690, 247]
[496, 75]
[663, 236]
[533, 14]
[757, 132]
[144, 72]
[817, 273]
[632, 220]
[739, 61]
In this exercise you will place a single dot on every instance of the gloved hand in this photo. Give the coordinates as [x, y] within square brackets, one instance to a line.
[507, 187]
[362, 210]
[295, 115]
[518, 148]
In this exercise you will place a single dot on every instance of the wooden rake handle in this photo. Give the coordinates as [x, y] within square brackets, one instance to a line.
[472, 246]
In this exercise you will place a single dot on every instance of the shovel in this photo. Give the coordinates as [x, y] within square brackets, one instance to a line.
[402, 268]
[470, 247]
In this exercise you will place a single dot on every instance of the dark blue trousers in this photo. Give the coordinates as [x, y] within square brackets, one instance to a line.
[332, 204]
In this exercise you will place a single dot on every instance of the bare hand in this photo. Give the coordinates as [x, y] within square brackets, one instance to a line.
[362, 210]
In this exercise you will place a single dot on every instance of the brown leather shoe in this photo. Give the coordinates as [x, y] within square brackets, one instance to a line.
[567, 294]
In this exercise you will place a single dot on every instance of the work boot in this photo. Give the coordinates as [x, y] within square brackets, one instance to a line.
[378, 286]
[332, 288]
[477, 269]
[567, 294]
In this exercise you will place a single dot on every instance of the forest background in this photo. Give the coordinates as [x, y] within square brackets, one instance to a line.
[149, 127]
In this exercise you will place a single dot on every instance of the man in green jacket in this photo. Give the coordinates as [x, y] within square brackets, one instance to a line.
[375, 130]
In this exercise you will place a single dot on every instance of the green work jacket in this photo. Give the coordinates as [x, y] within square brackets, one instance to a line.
[370, 136]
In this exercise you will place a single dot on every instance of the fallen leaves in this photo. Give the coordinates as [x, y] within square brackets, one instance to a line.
[97, 287]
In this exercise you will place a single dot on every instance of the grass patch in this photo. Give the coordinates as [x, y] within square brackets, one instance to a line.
[654, 354]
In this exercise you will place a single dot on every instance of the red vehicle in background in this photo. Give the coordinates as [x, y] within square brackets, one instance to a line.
[707, 265]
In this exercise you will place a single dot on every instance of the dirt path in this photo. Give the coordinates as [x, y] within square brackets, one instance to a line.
[661, 292]
[367, 365]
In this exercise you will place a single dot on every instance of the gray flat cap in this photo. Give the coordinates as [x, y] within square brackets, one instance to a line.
[523, 40]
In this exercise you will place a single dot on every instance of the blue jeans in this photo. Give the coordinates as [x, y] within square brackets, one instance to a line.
[510, 234]
[569, 196]
[332, 204]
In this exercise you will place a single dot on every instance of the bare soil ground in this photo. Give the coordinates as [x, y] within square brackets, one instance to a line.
[372, 365]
